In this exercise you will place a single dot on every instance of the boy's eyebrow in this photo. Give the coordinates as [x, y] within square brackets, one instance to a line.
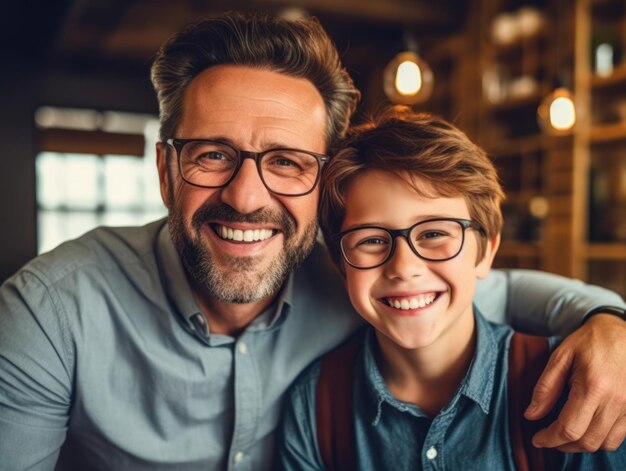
[421, 218]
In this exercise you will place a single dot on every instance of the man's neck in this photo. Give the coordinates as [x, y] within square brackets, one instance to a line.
[230, 318]
[429, 376]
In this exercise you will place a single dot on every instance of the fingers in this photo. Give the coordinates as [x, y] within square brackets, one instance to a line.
[616, 436]
[573, 421]
[549, 386]
[594, 415]
[595, 439]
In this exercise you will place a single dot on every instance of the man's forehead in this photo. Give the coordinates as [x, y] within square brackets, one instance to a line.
[231, 96]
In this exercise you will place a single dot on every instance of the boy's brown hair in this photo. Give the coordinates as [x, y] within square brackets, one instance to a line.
[413, 145]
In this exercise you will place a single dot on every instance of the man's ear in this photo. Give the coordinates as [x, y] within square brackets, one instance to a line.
[161, 161]
[484, 265]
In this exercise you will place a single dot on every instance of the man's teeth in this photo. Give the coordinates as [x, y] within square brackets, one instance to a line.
[248, 235]
[411, 303]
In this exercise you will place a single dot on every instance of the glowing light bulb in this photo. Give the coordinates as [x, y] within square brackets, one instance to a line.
[408, 78]
[562, 113]
[557, 112]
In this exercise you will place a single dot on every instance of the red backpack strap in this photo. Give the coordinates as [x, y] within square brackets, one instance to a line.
[333, 406]
[528, 356]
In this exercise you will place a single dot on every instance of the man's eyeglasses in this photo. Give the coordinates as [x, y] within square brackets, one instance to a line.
[435, 240]
[214, 164]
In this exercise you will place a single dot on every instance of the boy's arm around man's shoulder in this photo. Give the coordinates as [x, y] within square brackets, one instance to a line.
[35, 373]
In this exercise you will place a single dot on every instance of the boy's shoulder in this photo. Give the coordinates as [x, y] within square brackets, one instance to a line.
[494, 334]
[334, 367]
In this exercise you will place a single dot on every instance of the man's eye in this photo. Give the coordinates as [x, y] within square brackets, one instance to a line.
[214, 155]
[284, 162]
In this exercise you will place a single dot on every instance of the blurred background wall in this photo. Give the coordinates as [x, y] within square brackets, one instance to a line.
[78, 115]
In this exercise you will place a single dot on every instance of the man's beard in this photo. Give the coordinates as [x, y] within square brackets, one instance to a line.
[238, 280]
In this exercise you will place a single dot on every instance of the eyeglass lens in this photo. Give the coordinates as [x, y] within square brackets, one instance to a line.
[432, 240]
[212, 164]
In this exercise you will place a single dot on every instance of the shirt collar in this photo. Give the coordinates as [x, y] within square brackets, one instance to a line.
[274, 316]
[174, 277]
[181, 295]
[376, 391]
[478, 382]
[477, 385]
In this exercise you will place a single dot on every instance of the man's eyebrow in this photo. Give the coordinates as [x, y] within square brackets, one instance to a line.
[230, 142]
[222, 139]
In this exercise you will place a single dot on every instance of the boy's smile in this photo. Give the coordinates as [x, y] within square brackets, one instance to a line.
[412, 302]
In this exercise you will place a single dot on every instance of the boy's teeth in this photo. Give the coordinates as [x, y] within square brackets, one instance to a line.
[248, 235]
[412, 303]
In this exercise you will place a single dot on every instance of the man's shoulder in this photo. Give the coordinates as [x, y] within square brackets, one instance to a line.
[99, 250]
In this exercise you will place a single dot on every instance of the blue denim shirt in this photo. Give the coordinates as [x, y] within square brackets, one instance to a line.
[470, 432]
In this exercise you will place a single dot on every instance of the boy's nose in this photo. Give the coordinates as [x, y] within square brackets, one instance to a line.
[404, 263]
[246, 193]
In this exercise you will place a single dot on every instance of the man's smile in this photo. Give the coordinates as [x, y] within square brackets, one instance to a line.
[242, 235]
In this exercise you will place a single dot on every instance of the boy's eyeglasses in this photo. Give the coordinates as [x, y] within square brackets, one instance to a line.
[435, 240]
[214, 164]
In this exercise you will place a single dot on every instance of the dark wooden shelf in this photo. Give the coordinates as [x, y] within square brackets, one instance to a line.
[617, 79]
[606, 251]
[514, 104]
[517, 249]
[607, 133]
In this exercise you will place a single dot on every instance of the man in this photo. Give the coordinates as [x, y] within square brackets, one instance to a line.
[171, 346]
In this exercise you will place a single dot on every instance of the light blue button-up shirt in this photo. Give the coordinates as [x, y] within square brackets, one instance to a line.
[103, 355]
[470, 433]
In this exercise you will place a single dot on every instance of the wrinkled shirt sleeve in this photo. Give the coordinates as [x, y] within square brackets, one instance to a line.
[538, 302]
[297, 434]
[35, 376]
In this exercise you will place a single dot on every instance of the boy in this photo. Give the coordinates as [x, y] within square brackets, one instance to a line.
[411, 214]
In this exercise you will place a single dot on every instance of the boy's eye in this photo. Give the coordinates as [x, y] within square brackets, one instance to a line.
[373, 241]
[431, 235]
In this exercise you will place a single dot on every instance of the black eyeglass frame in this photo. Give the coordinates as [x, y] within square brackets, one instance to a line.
[395, 233]
[178, 145]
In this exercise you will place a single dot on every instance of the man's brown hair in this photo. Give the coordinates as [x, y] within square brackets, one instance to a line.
[413, 145]
[298, 48]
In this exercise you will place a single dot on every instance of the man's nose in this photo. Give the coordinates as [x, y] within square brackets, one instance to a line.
[246, 193]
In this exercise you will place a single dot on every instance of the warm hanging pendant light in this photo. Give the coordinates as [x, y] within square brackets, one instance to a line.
[557, 111]
[408, 79]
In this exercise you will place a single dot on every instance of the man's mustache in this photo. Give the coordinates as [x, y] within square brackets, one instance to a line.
[226, 213]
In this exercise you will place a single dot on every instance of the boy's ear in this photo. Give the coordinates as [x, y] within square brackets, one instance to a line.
[484, 265]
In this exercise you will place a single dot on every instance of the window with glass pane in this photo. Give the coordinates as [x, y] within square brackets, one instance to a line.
[77, 192]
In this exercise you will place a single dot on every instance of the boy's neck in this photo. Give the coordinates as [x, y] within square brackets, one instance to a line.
[429, 376]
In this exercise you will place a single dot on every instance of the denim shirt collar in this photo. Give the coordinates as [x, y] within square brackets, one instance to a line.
[477, 385]
[181, 295]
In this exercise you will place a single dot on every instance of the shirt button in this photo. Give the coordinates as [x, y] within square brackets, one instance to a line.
[238, 458]
[431, 453]
[242, 347]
